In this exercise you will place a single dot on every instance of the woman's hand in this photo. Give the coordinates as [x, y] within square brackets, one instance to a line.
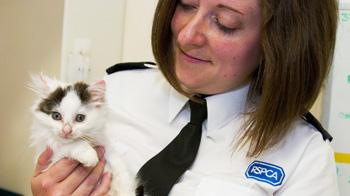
[68, 177]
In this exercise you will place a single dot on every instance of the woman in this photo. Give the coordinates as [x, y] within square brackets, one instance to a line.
[260, 66]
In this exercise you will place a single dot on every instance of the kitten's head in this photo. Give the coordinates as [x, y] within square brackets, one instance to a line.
[69, 111]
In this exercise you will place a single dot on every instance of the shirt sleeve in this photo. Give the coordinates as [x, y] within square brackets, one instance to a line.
[315, 174]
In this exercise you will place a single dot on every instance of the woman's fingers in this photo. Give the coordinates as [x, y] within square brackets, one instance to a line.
[103, 187]
[66, 176]
[62, 169]
[43, 161]
[91, 181]
[72, 182]
[100, 151]
[75, 182]
[45, 182]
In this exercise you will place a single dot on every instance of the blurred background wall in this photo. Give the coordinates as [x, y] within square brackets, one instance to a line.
[30, 41]
[38, 36]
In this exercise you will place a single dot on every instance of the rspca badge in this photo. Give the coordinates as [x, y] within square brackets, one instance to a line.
[265, 172]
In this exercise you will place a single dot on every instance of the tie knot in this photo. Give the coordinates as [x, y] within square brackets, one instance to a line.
[198, 111]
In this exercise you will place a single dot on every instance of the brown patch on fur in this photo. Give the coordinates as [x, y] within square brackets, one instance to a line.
[56, 96]
[81, 89]
[52, 100]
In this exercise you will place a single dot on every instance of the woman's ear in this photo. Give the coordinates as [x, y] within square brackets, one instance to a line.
[97, 92]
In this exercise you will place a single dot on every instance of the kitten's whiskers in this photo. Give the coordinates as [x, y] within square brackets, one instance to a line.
[88, 139]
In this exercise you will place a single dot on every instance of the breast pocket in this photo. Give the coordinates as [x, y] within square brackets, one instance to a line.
[217, 187]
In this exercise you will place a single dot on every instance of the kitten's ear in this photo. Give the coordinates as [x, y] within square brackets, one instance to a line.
[42, 85]
[97, 92]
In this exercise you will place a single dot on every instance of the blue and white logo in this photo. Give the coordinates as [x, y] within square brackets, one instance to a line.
[265, 172]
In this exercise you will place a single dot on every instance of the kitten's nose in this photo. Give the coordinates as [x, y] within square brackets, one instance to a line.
[67, 130]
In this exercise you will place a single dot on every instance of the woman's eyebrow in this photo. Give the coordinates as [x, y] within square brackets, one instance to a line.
[230, 8]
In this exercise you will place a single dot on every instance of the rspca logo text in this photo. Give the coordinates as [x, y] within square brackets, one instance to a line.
[265, 172]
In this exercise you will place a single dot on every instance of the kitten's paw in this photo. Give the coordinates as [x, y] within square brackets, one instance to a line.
[87, 157]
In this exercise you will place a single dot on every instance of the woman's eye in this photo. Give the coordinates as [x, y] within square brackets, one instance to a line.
[80, 118]
[223, 28]
[186, 6]
[56, 116]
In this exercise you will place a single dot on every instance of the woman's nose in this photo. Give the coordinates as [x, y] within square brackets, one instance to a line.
[193, 32]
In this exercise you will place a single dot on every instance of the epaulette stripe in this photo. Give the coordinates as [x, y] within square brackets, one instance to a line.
[130, 66]
[308, 117]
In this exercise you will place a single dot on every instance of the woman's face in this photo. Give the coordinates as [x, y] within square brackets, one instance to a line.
[216, 43]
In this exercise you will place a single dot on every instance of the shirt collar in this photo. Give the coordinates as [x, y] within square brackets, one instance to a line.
[221, 107]
[177, 102]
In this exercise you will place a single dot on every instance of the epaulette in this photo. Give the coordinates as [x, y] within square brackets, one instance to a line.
[130, 66]
[308, 117]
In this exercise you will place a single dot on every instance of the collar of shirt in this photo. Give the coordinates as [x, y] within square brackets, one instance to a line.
[222, 108]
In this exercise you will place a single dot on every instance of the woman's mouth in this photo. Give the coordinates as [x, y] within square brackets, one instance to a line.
[192, 59]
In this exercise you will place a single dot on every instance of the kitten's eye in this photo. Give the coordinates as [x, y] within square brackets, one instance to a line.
[80, 118]
[56, 116]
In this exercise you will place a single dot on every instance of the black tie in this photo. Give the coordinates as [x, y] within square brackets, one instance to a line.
[162, 171]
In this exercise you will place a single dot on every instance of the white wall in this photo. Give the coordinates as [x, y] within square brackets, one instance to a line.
[345, 4]
[30, 41]
[119, 31]
[337, 95]
[99, 21]
[137, 30]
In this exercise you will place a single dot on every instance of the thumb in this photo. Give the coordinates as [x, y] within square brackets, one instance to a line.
[43, 161]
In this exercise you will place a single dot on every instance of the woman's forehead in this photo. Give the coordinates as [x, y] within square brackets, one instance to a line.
[243, 4]
[241, 7]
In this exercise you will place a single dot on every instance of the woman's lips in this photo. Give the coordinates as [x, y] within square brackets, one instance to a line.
[192, 59]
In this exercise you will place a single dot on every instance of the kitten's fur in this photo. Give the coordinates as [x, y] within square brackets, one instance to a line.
[71, 119]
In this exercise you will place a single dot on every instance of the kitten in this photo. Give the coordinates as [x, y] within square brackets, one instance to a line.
[71, 120]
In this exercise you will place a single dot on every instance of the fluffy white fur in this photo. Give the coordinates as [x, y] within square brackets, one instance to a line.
[46, 131]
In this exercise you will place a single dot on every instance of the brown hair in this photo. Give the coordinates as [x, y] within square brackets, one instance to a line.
[298, 39]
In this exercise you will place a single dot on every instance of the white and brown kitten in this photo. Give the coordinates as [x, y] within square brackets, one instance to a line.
[71, 120]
